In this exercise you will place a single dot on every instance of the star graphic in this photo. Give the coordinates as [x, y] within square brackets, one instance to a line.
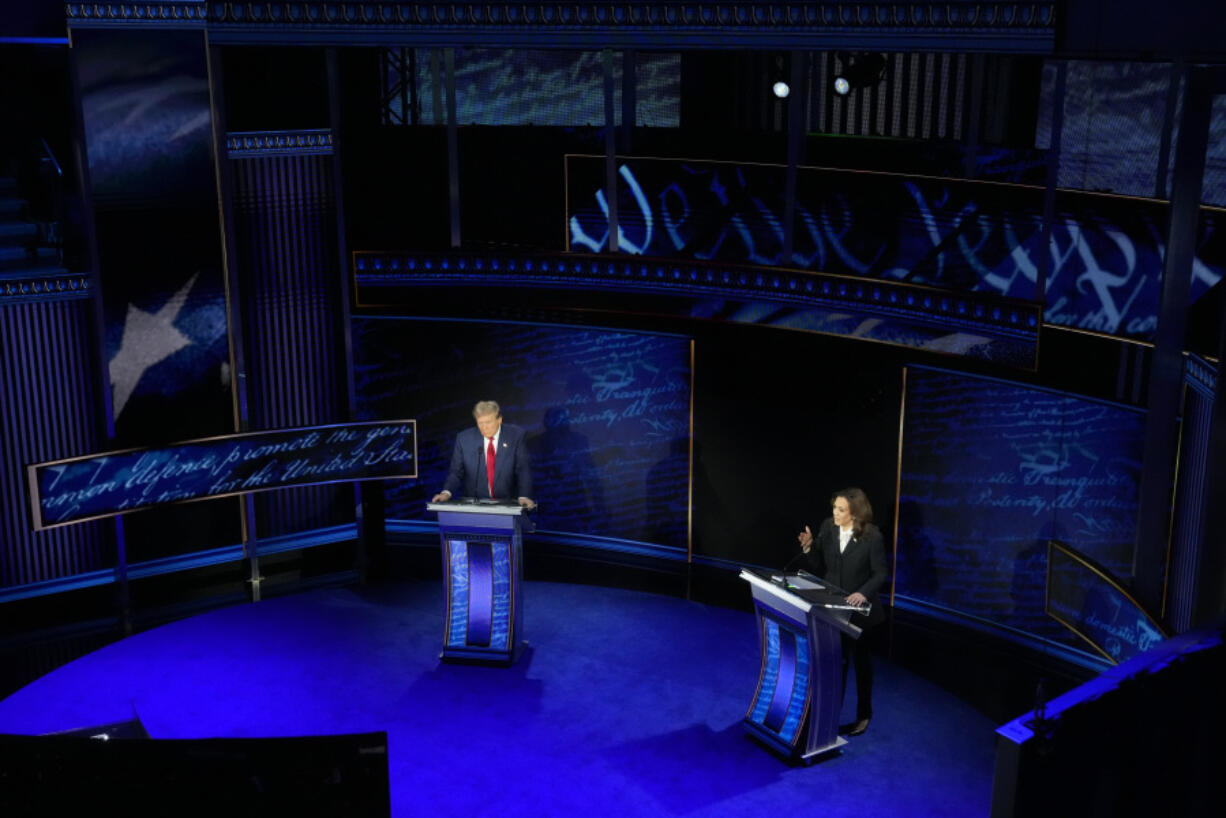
[148, 338]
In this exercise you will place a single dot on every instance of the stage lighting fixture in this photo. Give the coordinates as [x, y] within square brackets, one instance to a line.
[781, 90]
[859, 71]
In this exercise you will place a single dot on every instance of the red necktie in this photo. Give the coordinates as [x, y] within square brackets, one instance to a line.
[490, 456]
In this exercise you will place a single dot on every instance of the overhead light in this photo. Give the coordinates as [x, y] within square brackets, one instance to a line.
[781, 89]
[859, 71]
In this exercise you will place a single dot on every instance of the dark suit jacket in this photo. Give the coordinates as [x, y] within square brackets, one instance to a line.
[512, 469]
[860, 568]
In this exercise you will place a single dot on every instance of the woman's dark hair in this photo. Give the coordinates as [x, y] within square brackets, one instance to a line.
[859, 506]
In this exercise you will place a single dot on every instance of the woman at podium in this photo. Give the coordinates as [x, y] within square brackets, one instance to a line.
[848, 552]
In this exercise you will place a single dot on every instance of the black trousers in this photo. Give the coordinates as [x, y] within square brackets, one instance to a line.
[857, 651]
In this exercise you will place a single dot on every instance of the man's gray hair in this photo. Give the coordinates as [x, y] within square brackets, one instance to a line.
[486, 407]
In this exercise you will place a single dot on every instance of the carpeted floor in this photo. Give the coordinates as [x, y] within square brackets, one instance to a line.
[625, 703]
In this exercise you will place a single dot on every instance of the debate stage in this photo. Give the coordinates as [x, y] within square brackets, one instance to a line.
[625, 703]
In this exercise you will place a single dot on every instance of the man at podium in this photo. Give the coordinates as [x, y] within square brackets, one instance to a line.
[848, 552]
[490, 461]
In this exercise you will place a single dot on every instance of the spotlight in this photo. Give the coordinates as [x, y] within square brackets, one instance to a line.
[781, 89]
[859, 71]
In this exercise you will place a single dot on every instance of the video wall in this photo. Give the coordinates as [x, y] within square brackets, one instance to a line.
[1111, 135]
[502, 86]
[1106, 253]
[146, 117]
[1100, 611]
[607, 415]
[149, 144]
[992, 471]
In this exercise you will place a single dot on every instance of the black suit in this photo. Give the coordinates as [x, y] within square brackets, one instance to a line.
[512, 469]
[860, 568]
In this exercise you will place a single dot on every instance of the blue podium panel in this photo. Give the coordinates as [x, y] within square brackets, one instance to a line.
[781, 702]
[481, 566]
[480, 602]
[795, 708]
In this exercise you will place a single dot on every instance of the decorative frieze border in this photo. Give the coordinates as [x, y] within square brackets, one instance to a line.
[957, 25]
[251, 144]
[963, 311]
[20, 287]
[1200, 375]
[193, 13]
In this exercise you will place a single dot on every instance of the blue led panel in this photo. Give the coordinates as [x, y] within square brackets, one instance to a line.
[1105, 257]
[1095, 606]
[607, 415]
[990, 472]
[520, 86]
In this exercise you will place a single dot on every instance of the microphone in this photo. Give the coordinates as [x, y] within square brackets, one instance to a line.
[792, 561]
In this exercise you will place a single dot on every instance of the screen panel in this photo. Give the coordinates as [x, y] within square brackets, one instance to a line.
[607, 415]
[1095, 606]
[1106, 253]
[990, 471]
[1111, 136]
[150, 156]
[147, 125]
[521, 86]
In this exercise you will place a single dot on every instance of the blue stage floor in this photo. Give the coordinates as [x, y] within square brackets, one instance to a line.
[626, 703]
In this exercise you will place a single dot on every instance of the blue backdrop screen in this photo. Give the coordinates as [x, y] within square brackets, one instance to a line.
[990, 472]
[607, 415]
[504, 86]
[149, 141]
[1095, 607]
[1114, 115]
[147, 123]
[1106, 252]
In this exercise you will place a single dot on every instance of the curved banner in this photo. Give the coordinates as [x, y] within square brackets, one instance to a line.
[1105, 251]
[1086, 599]
[102, 485]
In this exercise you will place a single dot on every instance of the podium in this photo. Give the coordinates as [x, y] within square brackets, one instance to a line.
[795, 709]
[482, 557]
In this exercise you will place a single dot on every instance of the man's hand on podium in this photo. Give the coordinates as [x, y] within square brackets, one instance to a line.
[857, 599]
[442, 497]
[527, 503]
